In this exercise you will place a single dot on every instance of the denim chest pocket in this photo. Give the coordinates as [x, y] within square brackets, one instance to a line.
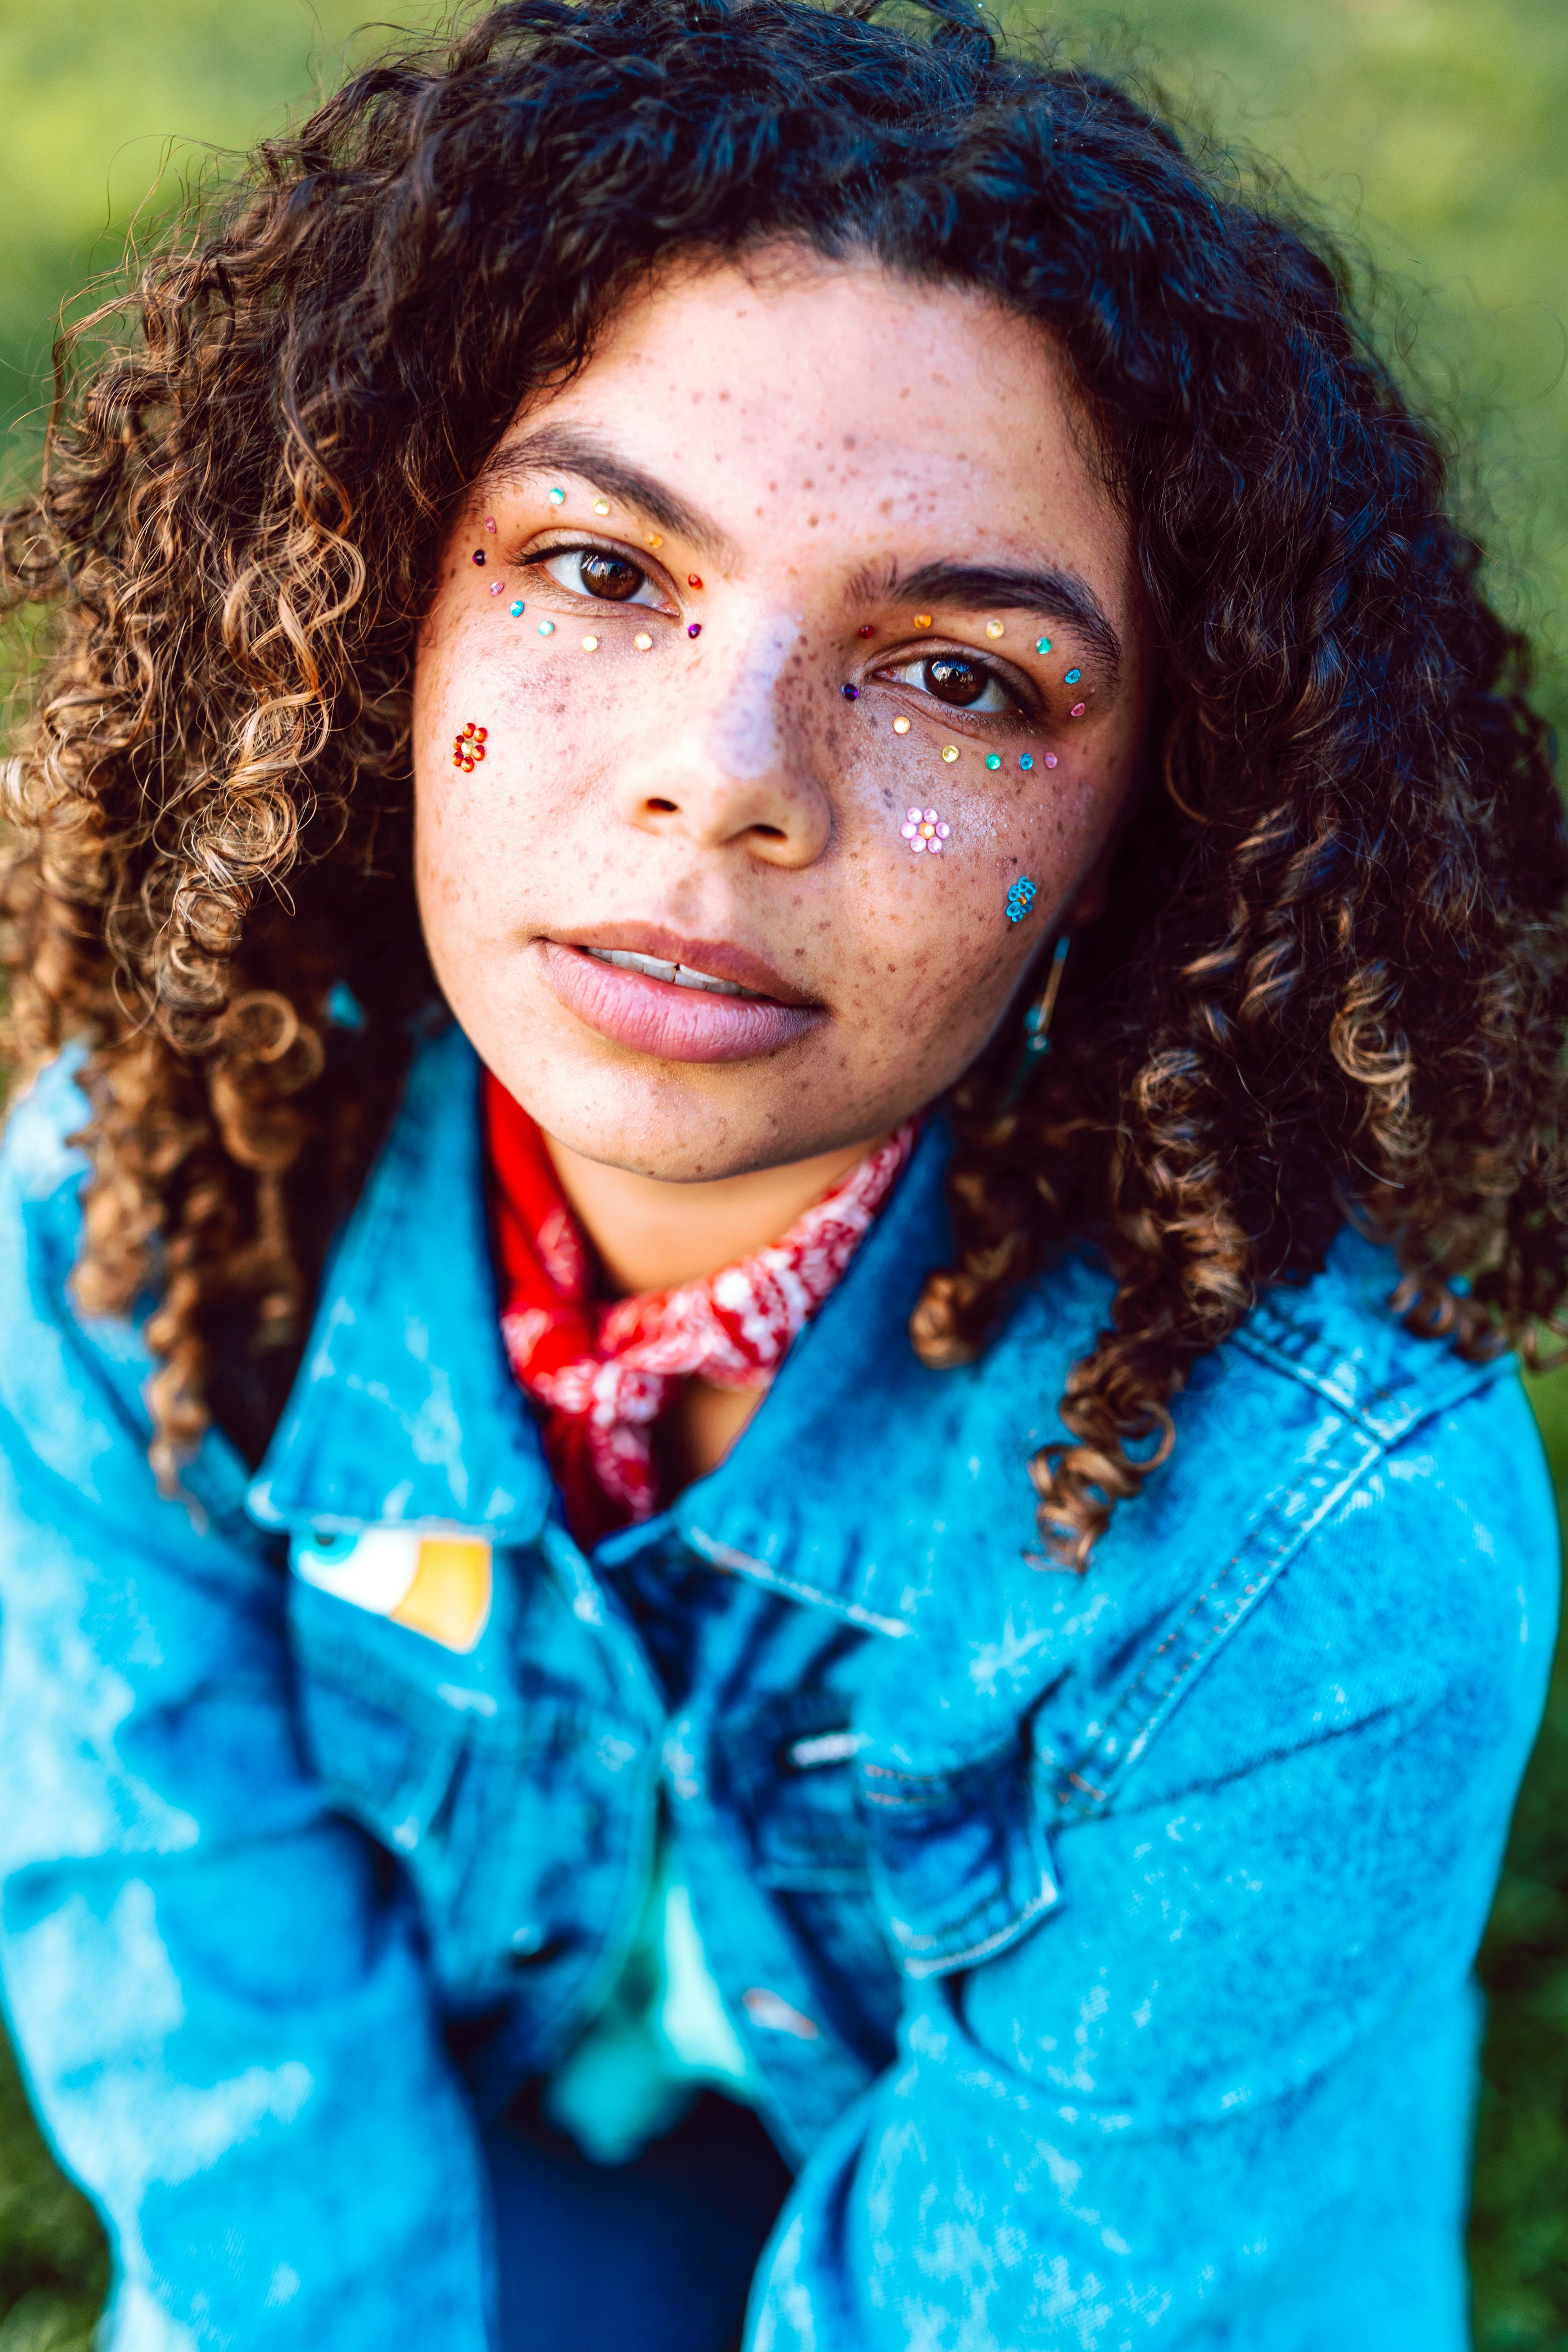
[959, 1859]
[948, 1867]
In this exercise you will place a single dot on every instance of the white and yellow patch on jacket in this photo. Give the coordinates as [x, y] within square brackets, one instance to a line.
[438, 1585]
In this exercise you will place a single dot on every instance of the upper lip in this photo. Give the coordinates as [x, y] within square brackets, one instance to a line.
[721, 958]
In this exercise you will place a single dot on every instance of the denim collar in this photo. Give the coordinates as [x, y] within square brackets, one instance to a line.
[404, 1411]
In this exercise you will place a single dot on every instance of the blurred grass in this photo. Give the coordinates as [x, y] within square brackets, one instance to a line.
[1428, 132]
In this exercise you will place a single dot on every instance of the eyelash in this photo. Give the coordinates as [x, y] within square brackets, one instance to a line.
[654, 601]
[1018, 707]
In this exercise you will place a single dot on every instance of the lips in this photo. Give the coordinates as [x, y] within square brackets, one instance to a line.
[678, 1000]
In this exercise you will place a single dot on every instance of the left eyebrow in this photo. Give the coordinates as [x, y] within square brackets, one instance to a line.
[1045, 592]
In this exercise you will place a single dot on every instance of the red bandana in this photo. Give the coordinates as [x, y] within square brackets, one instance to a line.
[605, 1371]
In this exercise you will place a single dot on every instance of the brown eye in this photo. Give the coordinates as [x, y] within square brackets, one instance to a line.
[954, 680]
[611, 576]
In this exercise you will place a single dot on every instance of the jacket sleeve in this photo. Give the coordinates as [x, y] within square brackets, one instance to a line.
[1225, 2086]
[215, 1984]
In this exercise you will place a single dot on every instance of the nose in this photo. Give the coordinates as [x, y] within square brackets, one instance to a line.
[726, 766]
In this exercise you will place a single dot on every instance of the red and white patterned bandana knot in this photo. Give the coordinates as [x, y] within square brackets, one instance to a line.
[604, 1371]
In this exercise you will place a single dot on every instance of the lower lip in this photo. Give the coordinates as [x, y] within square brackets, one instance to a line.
[674, 1024]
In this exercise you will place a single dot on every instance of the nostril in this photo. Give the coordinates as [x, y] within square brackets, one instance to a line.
[665, 808]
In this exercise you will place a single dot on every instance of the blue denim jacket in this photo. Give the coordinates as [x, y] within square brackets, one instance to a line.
[1103, 1945]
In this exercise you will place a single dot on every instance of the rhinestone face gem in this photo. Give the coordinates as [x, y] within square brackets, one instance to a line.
[994, 761]
[994, 629]
[866, 631]
[490, 524]
[590, 645]
[642, 641]
[517, 609]
[924, 831]
[900, 726]
[1072, 677]
[479, 555]
[949, 752]
[469, 747]
[1025, 761]
[601, 505]
[497, 586]
[557, 498]
[1050, 758]
[1042, 644]
[547, 628]
[655, 539]
[922, 620]
[693, 579]
[1020, 899]
[694, 628]
[850, 693]
[1078, 710]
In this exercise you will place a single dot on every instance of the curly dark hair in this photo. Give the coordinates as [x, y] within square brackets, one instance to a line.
[1331, 983]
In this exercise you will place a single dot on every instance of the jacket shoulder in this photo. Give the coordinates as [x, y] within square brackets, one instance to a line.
[39, 1159]
[1337, 1336]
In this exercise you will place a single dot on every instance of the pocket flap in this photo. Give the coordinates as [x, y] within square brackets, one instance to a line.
[959, 1859]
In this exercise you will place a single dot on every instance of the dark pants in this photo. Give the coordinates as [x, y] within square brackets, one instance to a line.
[655, 2255]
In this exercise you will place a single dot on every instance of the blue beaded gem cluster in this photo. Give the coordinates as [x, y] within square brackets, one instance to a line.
[1020, 899]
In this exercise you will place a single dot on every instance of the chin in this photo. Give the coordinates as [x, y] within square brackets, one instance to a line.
[679, 1123]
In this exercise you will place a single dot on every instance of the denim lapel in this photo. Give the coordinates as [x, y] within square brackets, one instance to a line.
[405, 1410]
[896, 1496]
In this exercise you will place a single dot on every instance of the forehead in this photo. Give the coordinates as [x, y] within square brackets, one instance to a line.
[826, 393]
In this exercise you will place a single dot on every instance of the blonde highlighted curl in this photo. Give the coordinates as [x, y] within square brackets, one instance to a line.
[1332, 981]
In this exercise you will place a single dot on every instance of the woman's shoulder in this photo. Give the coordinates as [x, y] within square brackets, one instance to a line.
[1330, 1469]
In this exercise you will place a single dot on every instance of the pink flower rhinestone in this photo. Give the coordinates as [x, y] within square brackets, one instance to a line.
[922, 830]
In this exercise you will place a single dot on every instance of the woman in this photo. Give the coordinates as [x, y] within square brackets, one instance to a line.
[789, 947]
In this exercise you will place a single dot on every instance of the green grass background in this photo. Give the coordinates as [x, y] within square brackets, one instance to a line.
[1431, 134]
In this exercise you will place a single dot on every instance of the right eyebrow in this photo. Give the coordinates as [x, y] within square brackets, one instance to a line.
[567, 449]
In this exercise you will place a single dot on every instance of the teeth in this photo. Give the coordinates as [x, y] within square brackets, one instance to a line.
[683, 975]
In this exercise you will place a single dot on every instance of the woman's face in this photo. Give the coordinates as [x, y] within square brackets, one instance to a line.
[810, 562]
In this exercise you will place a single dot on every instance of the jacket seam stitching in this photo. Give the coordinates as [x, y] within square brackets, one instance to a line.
[1269, 1568]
